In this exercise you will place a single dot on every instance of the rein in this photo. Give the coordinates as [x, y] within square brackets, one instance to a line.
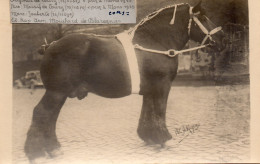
[193, 17]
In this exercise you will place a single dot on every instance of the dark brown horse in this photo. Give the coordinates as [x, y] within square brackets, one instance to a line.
[81, 63]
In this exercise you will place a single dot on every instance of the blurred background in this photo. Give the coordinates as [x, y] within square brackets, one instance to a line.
[199, 67]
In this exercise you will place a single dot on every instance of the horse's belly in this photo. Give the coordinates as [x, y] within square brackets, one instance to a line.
[109, 81]
[107, 87]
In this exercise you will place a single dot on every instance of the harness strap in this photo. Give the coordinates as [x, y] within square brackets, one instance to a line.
[170, 53]
[126, 41]
[174, 13]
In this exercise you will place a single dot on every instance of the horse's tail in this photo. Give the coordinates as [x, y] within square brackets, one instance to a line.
[44, 47]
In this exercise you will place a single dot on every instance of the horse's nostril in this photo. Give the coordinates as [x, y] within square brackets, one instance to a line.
[212, 43]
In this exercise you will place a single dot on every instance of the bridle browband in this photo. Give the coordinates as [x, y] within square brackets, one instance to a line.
[193, 17]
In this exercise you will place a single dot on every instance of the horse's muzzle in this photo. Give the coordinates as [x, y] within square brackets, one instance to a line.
[212, 43]
[219, 46]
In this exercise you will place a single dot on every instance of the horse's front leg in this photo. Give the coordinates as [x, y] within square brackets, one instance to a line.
[152, 124]
[41, 137]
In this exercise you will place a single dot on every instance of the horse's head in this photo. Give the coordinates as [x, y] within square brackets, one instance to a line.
[204, 31]
[164, 29]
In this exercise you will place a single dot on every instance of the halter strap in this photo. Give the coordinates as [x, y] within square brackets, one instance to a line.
[202, 27]
[215, 30]
[205, 31]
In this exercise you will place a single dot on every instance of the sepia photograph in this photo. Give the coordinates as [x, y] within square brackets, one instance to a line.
[174, 87]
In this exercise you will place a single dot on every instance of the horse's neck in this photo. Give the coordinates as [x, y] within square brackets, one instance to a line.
[157, 33]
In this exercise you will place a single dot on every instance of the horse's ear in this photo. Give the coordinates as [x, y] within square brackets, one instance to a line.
[197, 7]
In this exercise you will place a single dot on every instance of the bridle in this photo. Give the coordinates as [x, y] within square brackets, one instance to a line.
[193, 17]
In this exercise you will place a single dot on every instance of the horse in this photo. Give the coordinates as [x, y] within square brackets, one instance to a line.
[78, 64]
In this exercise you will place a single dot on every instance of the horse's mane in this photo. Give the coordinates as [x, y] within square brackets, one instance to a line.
[151, 16]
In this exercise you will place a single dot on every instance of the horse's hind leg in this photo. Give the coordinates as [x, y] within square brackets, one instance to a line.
[41, 137]
[152, 123]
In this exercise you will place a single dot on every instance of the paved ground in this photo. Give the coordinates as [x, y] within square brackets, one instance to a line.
[103, 130]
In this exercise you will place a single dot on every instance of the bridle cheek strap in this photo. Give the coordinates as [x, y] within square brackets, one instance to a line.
[192, 15]
[205, 31]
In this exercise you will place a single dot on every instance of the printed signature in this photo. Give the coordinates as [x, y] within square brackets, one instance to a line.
[187, 129]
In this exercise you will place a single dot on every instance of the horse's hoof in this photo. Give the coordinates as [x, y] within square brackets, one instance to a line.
[38, 160]
[55, 153]
[163, 145]
[33, 147]
[149, 142]
[154, 134]
[156, 139]
[35, 156]
[37, 145]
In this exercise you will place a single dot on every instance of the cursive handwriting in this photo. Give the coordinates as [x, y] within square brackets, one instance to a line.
[190, 129]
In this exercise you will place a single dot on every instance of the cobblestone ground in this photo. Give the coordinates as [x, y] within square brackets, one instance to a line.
[103, 130]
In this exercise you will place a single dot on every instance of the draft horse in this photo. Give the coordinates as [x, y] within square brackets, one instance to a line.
[81, 63]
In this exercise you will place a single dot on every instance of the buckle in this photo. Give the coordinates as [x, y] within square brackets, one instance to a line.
[172, 53]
